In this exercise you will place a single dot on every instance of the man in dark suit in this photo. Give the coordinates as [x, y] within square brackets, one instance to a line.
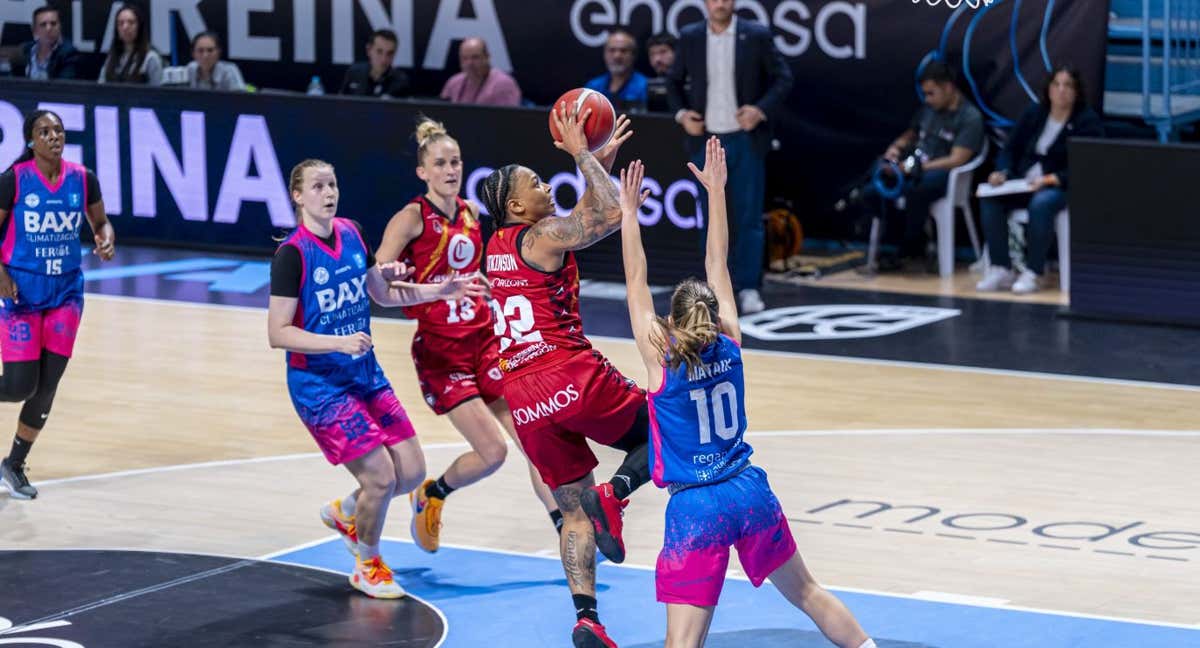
[729, 80]
[376, 77]
[48, 55]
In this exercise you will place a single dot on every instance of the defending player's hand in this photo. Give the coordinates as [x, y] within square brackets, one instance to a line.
[105, 248]
[458, 286]
[621, 134]
[570, 126]
[8, 287]
[396, 271]
[632, 194]
[356, 344]
[714, 174]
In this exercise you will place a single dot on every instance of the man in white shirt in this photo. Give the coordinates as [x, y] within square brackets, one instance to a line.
[728, 80]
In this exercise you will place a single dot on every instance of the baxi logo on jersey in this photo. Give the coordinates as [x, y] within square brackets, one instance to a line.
[461, 253]
[55, 222]
[352, 292]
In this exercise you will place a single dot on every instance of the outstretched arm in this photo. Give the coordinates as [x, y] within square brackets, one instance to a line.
[637, 289]
[716, 251]
[386, 285]
[598, 212]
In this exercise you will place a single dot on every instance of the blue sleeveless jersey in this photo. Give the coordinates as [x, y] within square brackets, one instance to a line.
[333, 297]
[698, 418]
[41, 246]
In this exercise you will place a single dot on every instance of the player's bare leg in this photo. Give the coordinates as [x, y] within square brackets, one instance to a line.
[687, 625]
[831, 616]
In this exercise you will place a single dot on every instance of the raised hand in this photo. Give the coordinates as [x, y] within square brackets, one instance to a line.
[570, 127]
[632, 194]
[469, 285]
[714, 174]
[621, 133]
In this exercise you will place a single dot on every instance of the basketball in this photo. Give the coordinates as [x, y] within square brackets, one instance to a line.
[599, 125]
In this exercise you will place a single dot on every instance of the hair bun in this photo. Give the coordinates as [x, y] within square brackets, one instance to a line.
[429, 129]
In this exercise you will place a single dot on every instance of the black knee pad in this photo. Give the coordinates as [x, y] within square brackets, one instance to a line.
[37, 407]
[20, 381]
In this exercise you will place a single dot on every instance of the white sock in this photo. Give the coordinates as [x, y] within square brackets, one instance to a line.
[869, 643]
[367, 552]
[348, 505]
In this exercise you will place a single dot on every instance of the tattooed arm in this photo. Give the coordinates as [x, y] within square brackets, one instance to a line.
[598, 212]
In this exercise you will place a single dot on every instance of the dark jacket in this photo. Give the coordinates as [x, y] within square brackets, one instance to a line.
[62, 60]
[762, 76]
[1021, 153]
[358, 82]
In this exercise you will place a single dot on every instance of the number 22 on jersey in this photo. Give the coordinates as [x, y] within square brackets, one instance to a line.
[514, 321]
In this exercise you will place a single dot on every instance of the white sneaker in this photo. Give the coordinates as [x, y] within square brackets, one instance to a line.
[995, 278]
[1027, 283]
[374, 579]
[750, 302]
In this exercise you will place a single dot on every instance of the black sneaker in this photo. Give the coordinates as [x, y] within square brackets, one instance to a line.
[15, 480]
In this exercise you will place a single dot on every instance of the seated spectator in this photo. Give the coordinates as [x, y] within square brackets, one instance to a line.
[624, 86]
[377, 77]
[48, 55]
[131, 59]
[1037, 152]
[946, 132]
[661, 49]
[207, 71]
[479, 82]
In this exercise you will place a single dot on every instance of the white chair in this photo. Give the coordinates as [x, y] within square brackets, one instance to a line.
[958, 195]
[1062, 229]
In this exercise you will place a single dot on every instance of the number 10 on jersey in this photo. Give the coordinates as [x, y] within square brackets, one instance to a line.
[721, 400]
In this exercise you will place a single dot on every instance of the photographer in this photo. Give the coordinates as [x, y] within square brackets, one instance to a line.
[945, 133]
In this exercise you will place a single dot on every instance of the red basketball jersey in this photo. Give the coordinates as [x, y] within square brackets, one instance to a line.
[447, 244]
[537, 313]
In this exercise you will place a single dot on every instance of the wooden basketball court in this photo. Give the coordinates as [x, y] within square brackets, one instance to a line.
[173, 431]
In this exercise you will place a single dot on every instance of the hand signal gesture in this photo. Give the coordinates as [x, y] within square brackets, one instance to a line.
[714, 174]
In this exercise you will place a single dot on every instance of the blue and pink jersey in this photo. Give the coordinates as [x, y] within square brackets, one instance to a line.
[698, 418]
[333, 292]
[41, 248]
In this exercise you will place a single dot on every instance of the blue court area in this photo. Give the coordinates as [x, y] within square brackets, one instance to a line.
[492, 598]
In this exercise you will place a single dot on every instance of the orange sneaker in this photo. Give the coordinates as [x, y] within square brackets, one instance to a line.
[334, 518]
[374, 578]
[426, 518]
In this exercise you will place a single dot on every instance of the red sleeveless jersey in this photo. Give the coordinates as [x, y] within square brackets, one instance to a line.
[537, 313]
[447, 244]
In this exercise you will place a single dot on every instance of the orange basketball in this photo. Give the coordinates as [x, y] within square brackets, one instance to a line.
[599, 125]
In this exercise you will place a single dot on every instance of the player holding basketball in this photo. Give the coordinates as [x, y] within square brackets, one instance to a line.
[698, 418]
[323, 277]
[43, 199]
[563, 392]
[455, 350]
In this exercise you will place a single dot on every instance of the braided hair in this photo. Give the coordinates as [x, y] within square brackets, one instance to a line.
[496, 189]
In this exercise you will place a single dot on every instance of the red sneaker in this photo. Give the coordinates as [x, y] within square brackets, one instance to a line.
[604, 510]
[590, 634]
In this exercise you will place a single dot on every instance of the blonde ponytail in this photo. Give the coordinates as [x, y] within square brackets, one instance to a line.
[692, 326]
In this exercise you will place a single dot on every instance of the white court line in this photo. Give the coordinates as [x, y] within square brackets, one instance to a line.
[980, 602]
[300, 547]
[217, 464]
[960, 599]
[1011, 373]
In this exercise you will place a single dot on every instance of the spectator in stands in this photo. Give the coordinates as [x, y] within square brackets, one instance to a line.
[131, 59]
[714, 91]
[377, 77]
[661, 48]
[624, 86]
[207, 71]
[946, 132]
[479, 82]
[48, 55]
[1036, 152]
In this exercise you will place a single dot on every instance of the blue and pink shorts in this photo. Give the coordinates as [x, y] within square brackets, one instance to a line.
[703, 522]
[27, 333]
[349, 421]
